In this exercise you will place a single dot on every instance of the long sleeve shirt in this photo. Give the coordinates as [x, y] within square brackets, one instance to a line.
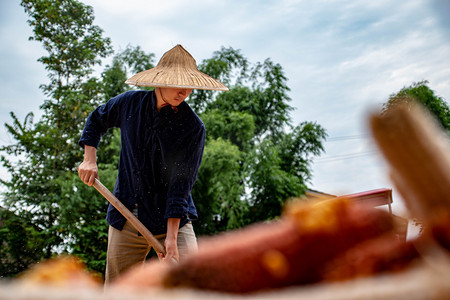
[160, 155]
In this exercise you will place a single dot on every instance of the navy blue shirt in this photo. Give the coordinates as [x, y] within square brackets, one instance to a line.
[159, 158]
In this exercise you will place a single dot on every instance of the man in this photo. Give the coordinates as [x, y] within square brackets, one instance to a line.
[162, 147]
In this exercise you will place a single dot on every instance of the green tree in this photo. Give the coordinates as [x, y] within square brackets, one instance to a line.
[420, 92]
[131, 60]
[235, 126]
[42, 163]
[272, 159]
[217, 192]
[280, 169]
[20, 244]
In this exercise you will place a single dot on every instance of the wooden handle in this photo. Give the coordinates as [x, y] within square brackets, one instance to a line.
[418, 153]
[130, 217]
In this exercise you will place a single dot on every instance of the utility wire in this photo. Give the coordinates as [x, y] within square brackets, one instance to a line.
[348, 137]
[344, 156]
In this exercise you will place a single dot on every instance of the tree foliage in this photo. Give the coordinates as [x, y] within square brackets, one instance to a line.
[20, 244]
[132, 59]
[272, 159]
[217, 192]
[42, 163]
[420, 92]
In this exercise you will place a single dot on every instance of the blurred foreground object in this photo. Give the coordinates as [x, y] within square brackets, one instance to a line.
[333, 249]
[291, 251]
[63, 271]
[418, 153]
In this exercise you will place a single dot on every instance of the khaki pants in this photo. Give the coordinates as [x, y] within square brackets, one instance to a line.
[127, 248]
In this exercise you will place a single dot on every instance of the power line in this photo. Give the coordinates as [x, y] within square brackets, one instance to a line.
[344, 156]
[348, 137]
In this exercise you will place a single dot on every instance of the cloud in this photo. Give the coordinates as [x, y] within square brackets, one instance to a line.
[441, 10]
[20, 74]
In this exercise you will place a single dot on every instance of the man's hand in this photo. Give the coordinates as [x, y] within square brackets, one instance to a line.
[88, 170]
[171, 251]
[171, 241]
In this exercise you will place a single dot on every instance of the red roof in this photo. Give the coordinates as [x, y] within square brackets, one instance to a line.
[374, 197]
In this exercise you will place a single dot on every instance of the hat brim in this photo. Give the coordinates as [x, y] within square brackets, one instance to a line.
[176, 78]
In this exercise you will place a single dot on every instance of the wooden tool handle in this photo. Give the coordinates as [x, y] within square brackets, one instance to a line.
[130, 217]
[418, 153]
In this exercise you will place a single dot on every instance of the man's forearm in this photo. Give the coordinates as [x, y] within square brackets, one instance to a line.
[171, 240]
[172, 228]
[90, 154]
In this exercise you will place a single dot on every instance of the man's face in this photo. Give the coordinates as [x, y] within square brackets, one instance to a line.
[175, 96]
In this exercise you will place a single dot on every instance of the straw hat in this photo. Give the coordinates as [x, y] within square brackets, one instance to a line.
[176, 69]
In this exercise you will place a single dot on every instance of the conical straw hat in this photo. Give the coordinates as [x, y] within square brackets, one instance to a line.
[176, 69]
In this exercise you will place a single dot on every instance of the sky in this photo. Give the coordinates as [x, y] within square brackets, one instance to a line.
[343, 59]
